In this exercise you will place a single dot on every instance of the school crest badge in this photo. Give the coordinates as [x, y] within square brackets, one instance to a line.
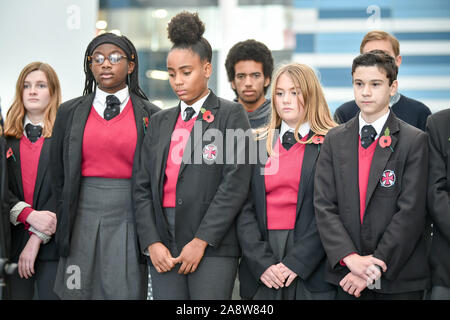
[387, 178]
[210, 152]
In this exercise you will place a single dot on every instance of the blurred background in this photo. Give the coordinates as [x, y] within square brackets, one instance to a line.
[324, 34]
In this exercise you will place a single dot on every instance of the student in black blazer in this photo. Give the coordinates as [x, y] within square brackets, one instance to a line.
[370, 193]
[28, 129]
[439, 202]
[96, 147]
[189, 188]
[283, 257]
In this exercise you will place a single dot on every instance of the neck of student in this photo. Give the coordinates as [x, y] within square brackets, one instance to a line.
[252, 106]
[36, 118]
[372, 117]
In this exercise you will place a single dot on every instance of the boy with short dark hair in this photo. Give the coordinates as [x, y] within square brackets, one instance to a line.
[370, 193]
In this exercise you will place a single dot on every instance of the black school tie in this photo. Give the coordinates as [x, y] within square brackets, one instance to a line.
[112, 107]
[33, 132]
[188, 113]
[288, 140]
[368, 135]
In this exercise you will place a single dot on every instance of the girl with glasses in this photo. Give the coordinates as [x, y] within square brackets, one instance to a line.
[98, 139]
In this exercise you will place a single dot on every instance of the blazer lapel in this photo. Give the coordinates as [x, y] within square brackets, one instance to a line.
[166, 126]
[381, 156]
[139, 114]
[212, 104]
[79, 119]
[44, 159]
[15, 146]
[309, 160]
[348, 180]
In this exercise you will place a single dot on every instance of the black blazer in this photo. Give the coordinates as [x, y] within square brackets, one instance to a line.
[208, 196]
[394, 219]
[307, 258]
[5, 228]
[438, 128]
[43, 198]
[66, 155]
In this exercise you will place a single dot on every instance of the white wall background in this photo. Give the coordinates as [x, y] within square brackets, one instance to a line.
[53, 31]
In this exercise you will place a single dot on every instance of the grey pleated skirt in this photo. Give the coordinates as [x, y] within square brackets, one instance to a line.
[103, 261]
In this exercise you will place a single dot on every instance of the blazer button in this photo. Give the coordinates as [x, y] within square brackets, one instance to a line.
[180, 201]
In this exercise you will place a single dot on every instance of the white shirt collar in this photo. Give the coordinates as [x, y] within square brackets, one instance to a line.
[100, 99]
[197, 106]
[27, 121]
[303, 130]
[377, 124]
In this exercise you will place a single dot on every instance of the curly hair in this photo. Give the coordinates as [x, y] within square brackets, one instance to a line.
[249, 50]
[185, 31]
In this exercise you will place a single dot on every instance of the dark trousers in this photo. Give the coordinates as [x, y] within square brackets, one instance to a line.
[371, 295]
[43, 280]
[213, 279]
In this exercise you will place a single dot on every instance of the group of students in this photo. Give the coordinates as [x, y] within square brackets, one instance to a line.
[106, 183]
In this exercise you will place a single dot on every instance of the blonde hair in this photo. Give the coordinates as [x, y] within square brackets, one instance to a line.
[316, 111]
[381, 35]
[16, 113]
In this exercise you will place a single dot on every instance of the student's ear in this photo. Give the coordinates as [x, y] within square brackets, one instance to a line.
[394, 88]
[398, 60]
[207, 69]
[266, 82]
[233, 85]
[131, 67]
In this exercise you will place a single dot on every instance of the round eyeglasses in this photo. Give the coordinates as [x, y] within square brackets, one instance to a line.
[113, 58]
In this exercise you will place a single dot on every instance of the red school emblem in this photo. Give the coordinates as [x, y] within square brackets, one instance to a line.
[387, 179]
[210, 152]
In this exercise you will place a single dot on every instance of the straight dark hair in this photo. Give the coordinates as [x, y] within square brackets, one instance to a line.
[380, 59]
[127, 46]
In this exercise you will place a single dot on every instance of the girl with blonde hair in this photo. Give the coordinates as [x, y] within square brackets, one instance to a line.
[283, 257]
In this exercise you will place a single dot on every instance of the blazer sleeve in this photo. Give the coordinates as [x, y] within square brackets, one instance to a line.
[255, 248]
[438, 197]
[233, 188]
[145, 216]
[57, 159]
[407, 224]
[335, 238]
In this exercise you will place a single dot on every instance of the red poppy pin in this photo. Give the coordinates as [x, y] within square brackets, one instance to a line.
[10, 153]
[386, 140]
[145, 123]
[207, 115]
[316, 139]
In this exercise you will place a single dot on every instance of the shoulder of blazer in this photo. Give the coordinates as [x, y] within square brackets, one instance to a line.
[149, 107]
[440, 118]
[70, 105]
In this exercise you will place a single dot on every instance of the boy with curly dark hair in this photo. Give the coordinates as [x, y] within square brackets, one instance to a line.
[249, 67]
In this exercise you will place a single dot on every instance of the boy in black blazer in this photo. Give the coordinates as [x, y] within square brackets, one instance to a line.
[439, 202]
[370, 193]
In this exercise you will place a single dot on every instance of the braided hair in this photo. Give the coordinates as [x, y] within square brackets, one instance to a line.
[127, 46]
[186, 32]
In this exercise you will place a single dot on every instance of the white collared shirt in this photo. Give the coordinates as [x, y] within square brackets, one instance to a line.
[100, 99]
[303, 130]
[27, 121]
[377, 124]
[197, 106]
